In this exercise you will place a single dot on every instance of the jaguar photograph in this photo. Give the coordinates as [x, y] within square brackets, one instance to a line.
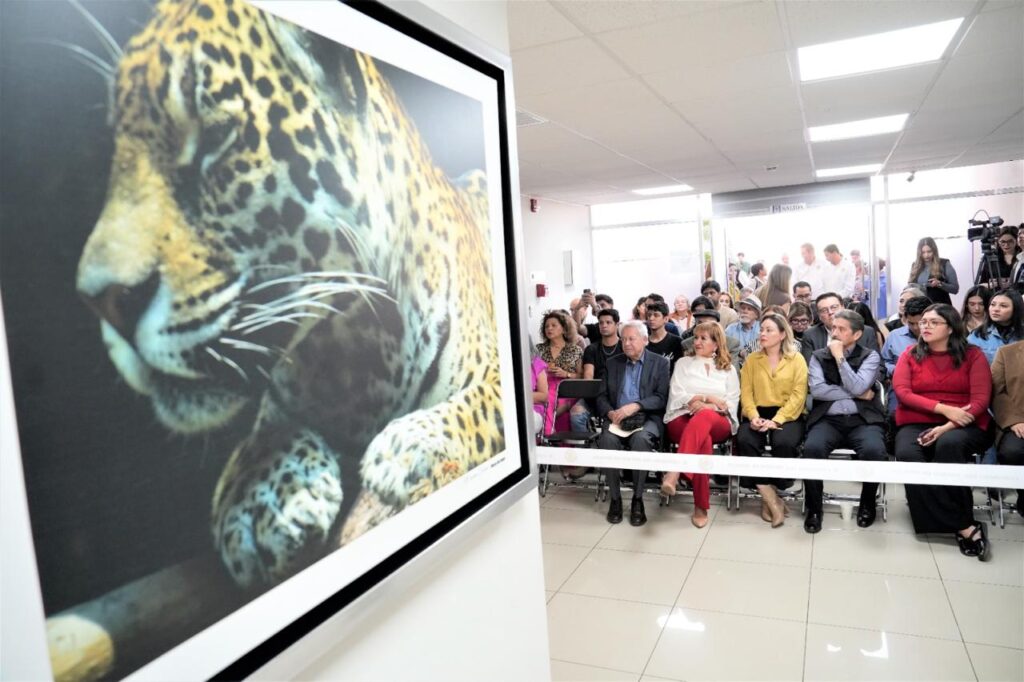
[256, 300]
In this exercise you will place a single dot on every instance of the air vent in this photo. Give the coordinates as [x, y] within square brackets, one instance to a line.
[525, 119]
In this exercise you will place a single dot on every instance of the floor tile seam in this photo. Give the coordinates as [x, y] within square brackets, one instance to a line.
[997, 646]
[640, 551]
[982, 582]
[807, 614]
[891, 575]
[727, 612]
[679, 593]
[618, 599]
[583, 559]
[756, 563]
[591, 665]
[886, 630]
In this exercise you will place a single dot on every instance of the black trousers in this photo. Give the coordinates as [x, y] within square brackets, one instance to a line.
[641, 441]
[785, 443]
[1011, 452]
[940, 508]
[843, 431]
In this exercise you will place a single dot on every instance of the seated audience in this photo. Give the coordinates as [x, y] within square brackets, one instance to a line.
[596, 304]
[943, 385]
[746, 329]
[660, 341]
[658, 298]
[800, 318]
[635, 390]
[703, 311]
[713, 291]
[862, 309]
[702, 401]
[845, 412]
[1008, 408]
[562, 359]
[539, 388]
[595, 360]
[816, 338]
[975, 309]
[773, 391]
[640, 309]
[901, 339]
[910, 291]
[680, 315]
[1005, 324]
[803, 293]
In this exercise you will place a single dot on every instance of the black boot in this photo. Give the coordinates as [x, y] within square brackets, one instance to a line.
[637, 517]
[615, 511]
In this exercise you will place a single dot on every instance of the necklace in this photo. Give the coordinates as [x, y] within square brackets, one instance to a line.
[609, 353]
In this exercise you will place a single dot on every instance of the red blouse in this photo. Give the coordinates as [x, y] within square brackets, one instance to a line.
[920, 386]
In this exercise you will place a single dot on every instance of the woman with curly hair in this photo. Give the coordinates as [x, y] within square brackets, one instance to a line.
[702, 401]
[562, 359]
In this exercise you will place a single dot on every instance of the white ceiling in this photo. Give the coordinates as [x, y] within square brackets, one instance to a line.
[704, 92]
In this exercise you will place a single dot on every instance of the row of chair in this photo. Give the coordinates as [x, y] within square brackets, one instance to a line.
[729, 486]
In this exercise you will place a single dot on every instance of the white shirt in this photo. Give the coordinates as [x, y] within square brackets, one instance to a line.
[813, 274]
[839, 278]
[698, 376]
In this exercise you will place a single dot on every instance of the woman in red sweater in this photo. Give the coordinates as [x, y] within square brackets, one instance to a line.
[943, 385]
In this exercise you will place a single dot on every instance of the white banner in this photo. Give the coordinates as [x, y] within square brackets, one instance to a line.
[974, 475]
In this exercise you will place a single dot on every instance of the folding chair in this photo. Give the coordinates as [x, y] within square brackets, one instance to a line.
[574, 389]
[738, 492]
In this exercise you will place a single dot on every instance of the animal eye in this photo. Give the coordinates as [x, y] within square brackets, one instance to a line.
[213, 142]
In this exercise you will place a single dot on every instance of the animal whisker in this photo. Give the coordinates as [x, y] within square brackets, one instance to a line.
[109, 44]
[229, 362]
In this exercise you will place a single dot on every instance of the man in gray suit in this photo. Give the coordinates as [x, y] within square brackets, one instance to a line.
[636, 384]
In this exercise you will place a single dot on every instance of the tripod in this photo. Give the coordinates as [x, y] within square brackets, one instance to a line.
[990, 265]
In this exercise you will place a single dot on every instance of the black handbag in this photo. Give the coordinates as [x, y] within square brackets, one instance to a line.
[634, 422]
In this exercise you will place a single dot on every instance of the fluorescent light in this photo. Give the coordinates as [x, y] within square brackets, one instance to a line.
[876, 52]
[862, 128]
[870, 168]
[666, 189]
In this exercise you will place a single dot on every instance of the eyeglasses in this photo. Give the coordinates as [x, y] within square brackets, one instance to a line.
[830, 309]
[799, 320]
[928, 324]
[1007, 242]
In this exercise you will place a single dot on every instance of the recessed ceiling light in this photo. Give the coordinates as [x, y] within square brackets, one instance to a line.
[876, 52]
[867, 169]
[862, 128]
[665, 189]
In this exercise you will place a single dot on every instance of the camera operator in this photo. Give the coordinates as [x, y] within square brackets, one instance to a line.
[997, 264]
[1017, 273]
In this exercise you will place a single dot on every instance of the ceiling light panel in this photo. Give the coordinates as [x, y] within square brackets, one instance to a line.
[664, 189]
[866, 169]
[863, 128]
[876, 52]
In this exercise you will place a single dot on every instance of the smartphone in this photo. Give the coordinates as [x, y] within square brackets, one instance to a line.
[923, 434]
[586, 291]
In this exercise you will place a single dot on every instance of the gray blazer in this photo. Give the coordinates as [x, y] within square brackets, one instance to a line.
[653, 388]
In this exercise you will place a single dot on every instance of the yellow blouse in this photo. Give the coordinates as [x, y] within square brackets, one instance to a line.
[785, 388]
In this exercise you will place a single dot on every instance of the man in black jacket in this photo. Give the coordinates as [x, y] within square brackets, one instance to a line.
[818, 336]
[846, 412]
[635, 389]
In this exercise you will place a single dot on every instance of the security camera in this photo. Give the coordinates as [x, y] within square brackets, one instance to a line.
[910, 178]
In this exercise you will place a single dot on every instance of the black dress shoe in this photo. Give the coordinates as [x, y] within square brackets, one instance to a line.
[614, 512]
[866, 515]
[637, 517]
[812, 522]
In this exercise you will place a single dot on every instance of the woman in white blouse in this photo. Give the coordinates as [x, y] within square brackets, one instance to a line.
[702, 402]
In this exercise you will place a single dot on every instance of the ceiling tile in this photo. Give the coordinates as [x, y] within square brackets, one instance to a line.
[995, 31]
[813, 21]
[607, 15]
[536, 23]
[753, 111]
[845, 152]
[719, 80]
[571, 105]
[563, 65]
[712, 37]
[981, 77]
[867, 96]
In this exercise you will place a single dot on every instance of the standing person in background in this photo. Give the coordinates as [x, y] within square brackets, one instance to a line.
[839, 275]
[881, 305]
[1005, 324]
[758, 276]
[975, 310]
[933, 273]
[944, 386]
[1006, 258]
[1017, 273]
[862, 278]
[810, 270]
[680, 314]
[776, 292]
[742, 264]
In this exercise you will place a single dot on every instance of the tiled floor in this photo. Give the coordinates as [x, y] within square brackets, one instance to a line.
[739, 600]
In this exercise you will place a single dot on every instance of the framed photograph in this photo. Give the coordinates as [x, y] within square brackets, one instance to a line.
[261, 319]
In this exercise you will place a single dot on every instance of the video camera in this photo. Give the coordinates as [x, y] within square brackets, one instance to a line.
[985, 231]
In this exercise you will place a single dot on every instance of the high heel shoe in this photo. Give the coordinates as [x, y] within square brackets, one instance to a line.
[776, 506]
[766, 511]
[668, 485]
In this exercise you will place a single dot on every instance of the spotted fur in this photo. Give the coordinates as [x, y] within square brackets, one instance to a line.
[276, 233]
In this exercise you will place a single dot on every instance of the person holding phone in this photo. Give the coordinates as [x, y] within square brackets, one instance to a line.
[943, 385]
[703, 398]
[935, 274]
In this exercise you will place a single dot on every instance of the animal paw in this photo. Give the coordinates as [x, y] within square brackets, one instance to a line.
[274, 508]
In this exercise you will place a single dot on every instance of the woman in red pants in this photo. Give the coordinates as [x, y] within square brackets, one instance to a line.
[701, 411]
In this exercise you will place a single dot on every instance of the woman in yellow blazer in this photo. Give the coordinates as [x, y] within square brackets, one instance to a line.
[773, 393]
[1008, 407]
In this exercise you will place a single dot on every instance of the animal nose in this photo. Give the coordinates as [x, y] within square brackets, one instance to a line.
[122, 306]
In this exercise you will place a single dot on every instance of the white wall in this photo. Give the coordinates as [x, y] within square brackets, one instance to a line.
[555, 228]
[479, 612]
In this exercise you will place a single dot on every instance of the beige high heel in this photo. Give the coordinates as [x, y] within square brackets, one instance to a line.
[668, 484]
[777, 506]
